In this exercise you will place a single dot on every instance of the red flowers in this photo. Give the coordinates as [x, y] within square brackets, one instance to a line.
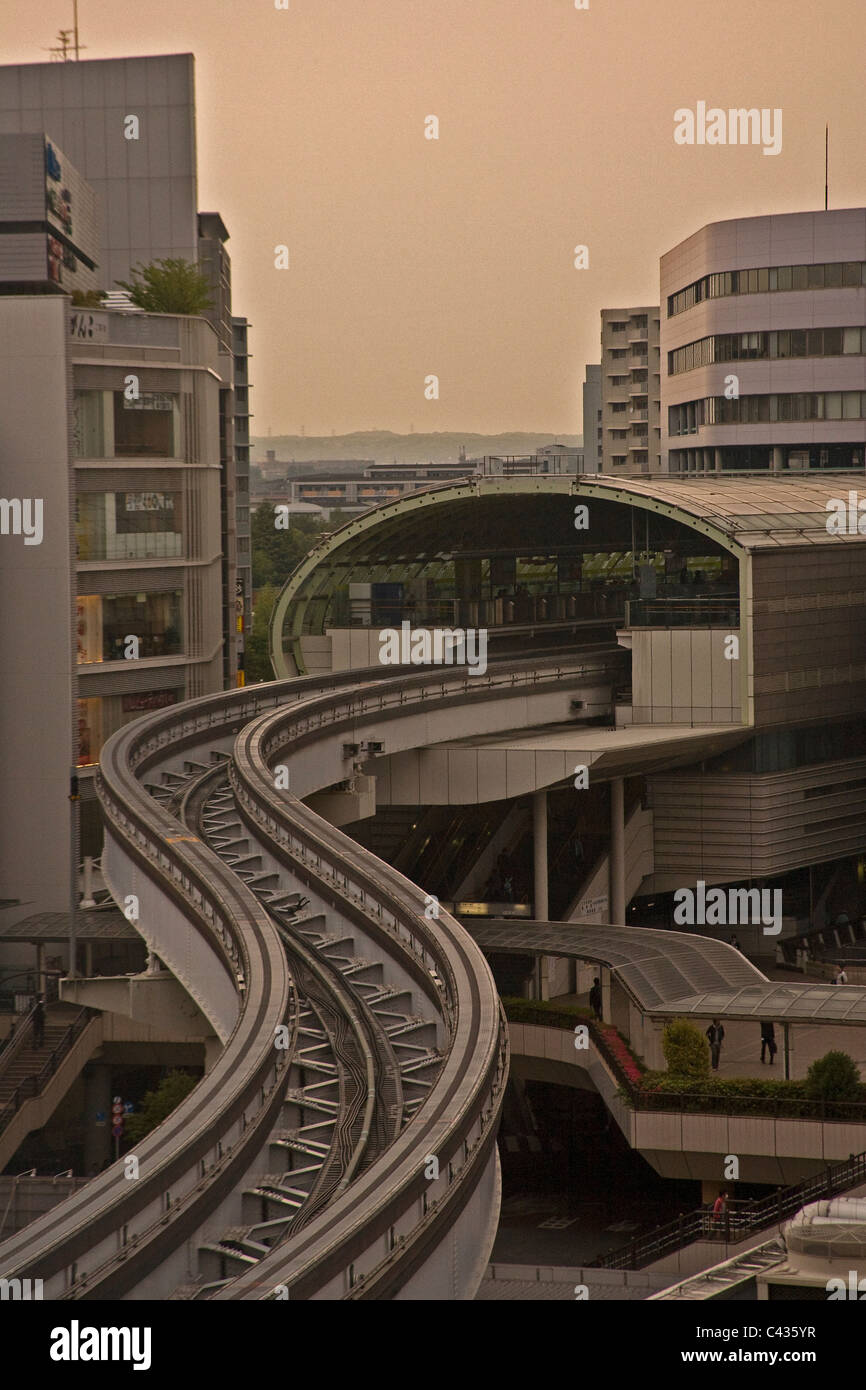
[621, 1052]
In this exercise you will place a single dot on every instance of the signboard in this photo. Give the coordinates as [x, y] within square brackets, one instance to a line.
[148, 502]
[149, 400]
[590, 905]
[88, 326]
[149, 699]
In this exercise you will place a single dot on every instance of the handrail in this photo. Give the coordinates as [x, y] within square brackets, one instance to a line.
[741, 1222]
[34, 1084]
[13, 1041]
[211, 1138]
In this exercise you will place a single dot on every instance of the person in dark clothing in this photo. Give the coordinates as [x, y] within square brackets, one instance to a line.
[38, 1025]
[768, 1041]
[595, 998]
[716, 1036]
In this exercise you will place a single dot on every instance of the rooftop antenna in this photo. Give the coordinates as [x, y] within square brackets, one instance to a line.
[68, 45]
[826, 163]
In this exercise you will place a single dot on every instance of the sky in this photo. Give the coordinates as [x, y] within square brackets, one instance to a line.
[410, 257]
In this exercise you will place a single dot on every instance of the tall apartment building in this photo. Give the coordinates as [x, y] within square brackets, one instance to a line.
[764, 344]
[109, 433]
[592, 426]
[244, 580]
[630, 390]
[128, 127]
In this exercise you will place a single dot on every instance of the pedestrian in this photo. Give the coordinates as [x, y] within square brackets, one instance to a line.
[720, 1205]
[735, 943]
[38, 1024]
[595, 1000]
[768, 1041]
[716, 1036]
[841, 976]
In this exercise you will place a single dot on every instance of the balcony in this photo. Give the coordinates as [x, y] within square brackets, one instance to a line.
[638, 412]
[638, 388]
[639, 359]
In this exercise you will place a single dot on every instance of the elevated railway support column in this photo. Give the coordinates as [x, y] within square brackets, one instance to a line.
[617, 852]
[541, 907]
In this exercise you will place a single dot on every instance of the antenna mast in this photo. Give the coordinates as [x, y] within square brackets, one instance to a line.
[826, 162]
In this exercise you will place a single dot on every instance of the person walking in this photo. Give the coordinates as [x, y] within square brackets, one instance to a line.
[841, 977]
[716, 1036]
[38, 1024]
[595, 1000]
[768, 1041]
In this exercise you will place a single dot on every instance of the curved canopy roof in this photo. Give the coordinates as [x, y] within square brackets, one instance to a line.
[485, 515]
[672, 973]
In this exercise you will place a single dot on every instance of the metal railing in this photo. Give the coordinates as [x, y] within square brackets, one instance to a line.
[739, 1222]
[680, 612]
[34, 1084]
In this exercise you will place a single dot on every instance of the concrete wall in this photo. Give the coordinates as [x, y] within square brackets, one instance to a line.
[681, 676]
[37, 728]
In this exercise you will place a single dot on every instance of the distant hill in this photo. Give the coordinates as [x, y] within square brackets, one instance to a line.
[384, 447]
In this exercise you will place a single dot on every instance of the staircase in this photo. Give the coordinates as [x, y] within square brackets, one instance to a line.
[27, 1061]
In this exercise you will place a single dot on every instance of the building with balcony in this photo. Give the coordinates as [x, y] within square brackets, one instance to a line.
[111, 424]
[630, 391]
[763, 344]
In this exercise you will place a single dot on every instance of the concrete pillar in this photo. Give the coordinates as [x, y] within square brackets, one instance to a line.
[778, 458]
[97, 1101]
[617, 852]
[541, 903]
[41, 981]
[88, 959]
[718, 457]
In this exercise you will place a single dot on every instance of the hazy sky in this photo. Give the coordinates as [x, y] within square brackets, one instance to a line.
[454, 257]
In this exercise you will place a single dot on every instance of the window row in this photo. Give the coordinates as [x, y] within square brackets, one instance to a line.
[825, 276]
[753, 410]
[128, 525]
[784, 343]
[108, 425]
[128, 627]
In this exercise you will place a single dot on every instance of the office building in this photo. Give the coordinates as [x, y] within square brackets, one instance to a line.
[593, 433]
[764, 344]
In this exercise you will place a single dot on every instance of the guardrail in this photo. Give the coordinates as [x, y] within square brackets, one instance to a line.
[190, 1163]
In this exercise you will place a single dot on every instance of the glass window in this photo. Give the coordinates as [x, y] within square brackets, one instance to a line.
[763, 281]
[799, 277]
[833, 405]
[106, 622]
[145, 428]
[852, 273]
[833, 275]
[798, 342]
[816, 277]
[851, 340]
[851, 405]
[814, 342]
[88, 436]
[784, 274]
[774, 277]
[832, 342]
[89, 731]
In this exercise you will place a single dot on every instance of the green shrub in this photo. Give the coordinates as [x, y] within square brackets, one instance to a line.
[833, 1077]
[685, 1049]
[157, 1105]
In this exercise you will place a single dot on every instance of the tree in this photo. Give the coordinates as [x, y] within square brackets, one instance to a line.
[257, 658]
[277, 551]
[833, 1077]
[686, 1049]
[158, 1105]
[172, 286]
